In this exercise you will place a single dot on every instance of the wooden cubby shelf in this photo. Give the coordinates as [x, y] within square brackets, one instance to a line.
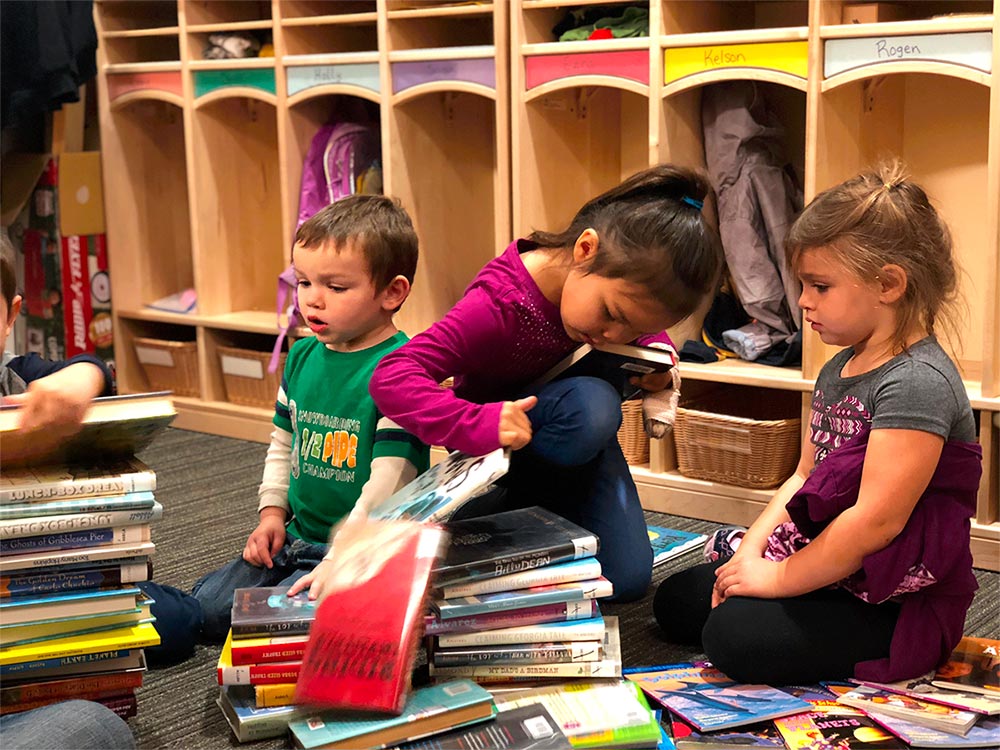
[491, 128]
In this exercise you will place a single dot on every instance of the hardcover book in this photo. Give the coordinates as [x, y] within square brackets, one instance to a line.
[686, 737]
[923, 688]
[523, 653]
[97, 504]
[526, 728]
[113, 427]
[591, 629]
[565, 612]
[15, 658]
[267, 650]
[574, 570]
[36, 526]
[68, 688]
[615, 363]
[973, 665]
[16, 635]
[704, 697]
[53, 580]
[555, 593]
[933, 715]
[985, 733]
[248, 722]
[74, 540]
[81, 480]
[832, 724]
[76, 556]
[511, 542]
[92, 665]
[670, 543]
[444, 488]
[268, 610]
[23, 610]
[254, 674]
[427, 711]
[279, 694]
[364, 641]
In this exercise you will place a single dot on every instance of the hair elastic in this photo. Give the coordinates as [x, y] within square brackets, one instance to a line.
[693, 202]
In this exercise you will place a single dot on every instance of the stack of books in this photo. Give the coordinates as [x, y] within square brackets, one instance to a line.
[74, 541]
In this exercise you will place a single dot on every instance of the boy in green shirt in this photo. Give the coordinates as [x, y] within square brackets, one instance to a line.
[331, 454]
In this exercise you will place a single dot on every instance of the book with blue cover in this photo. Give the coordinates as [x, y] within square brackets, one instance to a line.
[670, 543]
[985, 733]
[534, 597]
[591, 629]
[128, 501]
[239, 707]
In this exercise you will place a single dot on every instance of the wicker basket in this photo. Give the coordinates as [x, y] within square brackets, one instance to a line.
[245, 375]
[169, 365]
[631, 435]
[726, 443]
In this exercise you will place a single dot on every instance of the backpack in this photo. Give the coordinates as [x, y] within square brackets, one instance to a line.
[338, 156]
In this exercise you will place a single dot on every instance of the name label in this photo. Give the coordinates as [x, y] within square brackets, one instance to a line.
[479, 70]
[786, 57]
[362, 75]
[123, 83]
[632, 65]
[207, 81]
[968, 49]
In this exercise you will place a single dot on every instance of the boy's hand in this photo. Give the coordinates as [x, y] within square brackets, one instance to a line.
[316, 580]
[57, 403]
[515, 427]
[265, 541]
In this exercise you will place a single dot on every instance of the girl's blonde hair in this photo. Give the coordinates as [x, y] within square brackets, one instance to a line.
[878, 218]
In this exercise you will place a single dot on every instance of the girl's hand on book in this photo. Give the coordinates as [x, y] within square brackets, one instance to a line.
[267, 539]
[515, 427]
[747, 575]
[653, 382]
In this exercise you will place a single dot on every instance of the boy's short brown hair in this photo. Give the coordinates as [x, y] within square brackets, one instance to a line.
[377, 225]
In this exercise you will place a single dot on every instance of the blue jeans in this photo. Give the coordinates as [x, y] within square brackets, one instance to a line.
[215, 590]
[574, 467]
[80, 725]
[178, 623]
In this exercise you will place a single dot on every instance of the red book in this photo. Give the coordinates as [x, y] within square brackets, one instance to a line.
[364, 639]
[69, 688]
[268, 650]
[253, 674]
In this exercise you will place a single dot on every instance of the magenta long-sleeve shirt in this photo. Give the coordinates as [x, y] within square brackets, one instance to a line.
[501, 336]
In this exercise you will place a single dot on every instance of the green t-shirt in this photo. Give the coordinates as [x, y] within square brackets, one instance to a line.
[336, 432]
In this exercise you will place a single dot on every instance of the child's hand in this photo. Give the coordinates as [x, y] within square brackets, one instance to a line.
[315, 580]
[747, 575]
[653, 381]
[56, 404]
[265, 541]
[515, 427]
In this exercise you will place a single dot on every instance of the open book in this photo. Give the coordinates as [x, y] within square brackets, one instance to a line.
[615, 363]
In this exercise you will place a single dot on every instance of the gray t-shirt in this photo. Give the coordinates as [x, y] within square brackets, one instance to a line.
[916, 390]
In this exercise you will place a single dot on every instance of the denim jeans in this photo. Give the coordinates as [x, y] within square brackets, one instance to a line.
[178, 623]
[574, 467]
[80, 725]
[215, 590]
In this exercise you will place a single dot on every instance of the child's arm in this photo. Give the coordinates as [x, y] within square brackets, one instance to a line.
[269, 536]
[898, 467]
[58, 393]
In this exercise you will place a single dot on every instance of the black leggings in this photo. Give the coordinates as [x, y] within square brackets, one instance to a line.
[802, 640]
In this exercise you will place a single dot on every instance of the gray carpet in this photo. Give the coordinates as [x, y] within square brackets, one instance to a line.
[208, 488]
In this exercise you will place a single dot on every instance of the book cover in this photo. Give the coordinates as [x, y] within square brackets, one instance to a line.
[99, 696]
[985, 733]
[526, 728]
[568, 611]
[114, 426]
[99, 504]
[973, 665]
[253, 674]
[249, 723]
[933, 715]
[445, 487]
[524, 653]
[46, 630]
[670, 543]
[18, 528]
[364, 641]
[831, 724]
[54, 580]
[62, 665]
[614, 363]
[646, 734]
[279, 694]
[68, 688]
[511, 542]
[62, 540]
[574, 570]
[500, 601]
[267, 650]
[23, 610]
[91, 479]
[704, 697]
[591, 629]
[77, 556]
[267, 610]
[923, 688]
[427, 711]
[90, 665]
[23, 657]
[686, 737]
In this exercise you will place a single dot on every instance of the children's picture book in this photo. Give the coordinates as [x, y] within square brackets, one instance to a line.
[933, 715]
[831, 725]
[614, 363]
[574, 570]
[91, 665]
[268, 610]
[30, 484]
[113, 427]
[555, 593]
[29, 609]
[248, 722]
[973, 665]
[686, 737]
[46, 630]
[527, 728]
[427, 711]
[591, 629]
[444, 488]
[522, 653]
[129, 501]
[706, 698]
[53, 580]
[16, 659]
[511, 542]
[363, 644]
[985, 733]
[112, 550]
[923, 688]
[670, 543]
[583, 609]
[54, 690]
[21, 528]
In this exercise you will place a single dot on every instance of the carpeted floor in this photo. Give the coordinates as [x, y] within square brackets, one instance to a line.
[208, 488]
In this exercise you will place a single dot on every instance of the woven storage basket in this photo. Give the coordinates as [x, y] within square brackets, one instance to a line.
[631, 435]
[245, 375]
[169, 365]
[715, 441]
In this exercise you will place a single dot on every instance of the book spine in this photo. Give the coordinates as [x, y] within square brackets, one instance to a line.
[35, 584]
[17, 528]
[22, 667]
[93, 695]
[266, 629]
[280, 694]
[603, 668]
[74, 539]
[266, 654]
[259, 674]
[513, 636]
[79, 556]
[126, 708]
[544, 576]
[548, 653]
[449, 609]
[134, 501]
[579, 610]
[62, 689]
[89, 487]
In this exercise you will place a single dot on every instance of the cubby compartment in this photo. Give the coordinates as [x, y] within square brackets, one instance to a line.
[437, 31]
[328, 38]
[444, 164]
[142, 49]
[238, 365]
[219, 12]
[136, 15]
[320, 10]
[851, 13]
[685, 17]
[250, 38]
[158, 357]
[541, 17]
[939, 126]
[150, 200]
[237, 188]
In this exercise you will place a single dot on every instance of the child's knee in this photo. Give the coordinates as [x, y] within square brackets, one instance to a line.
[580, 424]
[630, 581]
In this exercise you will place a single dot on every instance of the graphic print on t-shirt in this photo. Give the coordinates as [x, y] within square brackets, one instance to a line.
[323, 445]
[832, 426]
